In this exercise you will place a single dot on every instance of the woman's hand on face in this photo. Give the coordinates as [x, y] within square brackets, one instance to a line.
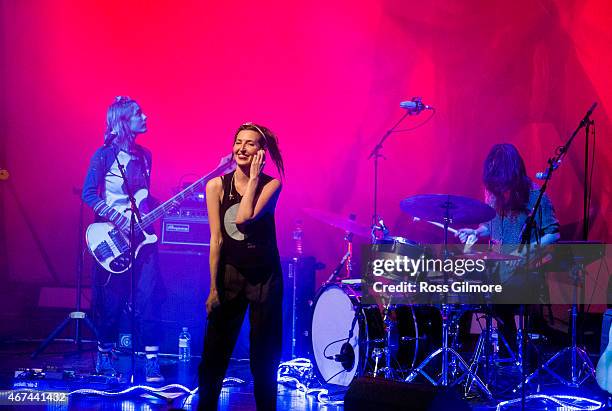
[258, 163]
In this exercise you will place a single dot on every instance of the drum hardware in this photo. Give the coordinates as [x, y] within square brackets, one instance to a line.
[390, 325]
[445, 351]
[449, 209]
[346, 261]
[487, 352]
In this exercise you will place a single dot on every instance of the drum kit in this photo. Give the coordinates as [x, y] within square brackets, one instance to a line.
[356, 335]
[398, 341]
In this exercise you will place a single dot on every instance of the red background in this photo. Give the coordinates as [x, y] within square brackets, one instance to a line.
[326, 77]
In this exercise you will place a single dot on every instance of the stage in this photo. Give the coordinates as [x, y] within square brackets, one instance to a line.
[405, 200]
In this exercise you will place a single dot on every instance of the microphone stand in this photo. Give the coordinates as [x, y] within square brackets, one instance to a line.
[78, 314]
[376, 154]
[530, 222]
[134, 218]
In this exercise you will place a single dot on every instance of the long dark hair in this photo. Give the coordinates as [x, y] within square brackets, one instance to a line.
[504, 171]
[268, 142]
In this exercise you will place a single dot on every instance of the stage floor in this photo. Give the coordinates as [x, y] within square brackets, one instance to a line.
[235, 396]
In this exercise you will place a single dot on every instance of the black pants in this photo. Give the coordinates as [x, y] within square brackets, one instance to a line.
[112, 299]
[264, 300]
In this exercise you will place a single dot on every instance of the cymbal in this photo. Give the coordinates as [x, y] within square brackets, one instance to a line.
[338, 221]
[487, 255]
[434, 207]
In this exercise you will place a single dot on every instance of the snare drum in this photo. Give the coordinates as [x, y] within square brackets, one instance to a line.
[398, 246]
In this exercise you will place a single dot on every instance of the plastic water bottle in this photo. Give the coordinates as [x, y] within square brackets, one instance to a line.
[185, 345]
[495, 341]
[298, 238]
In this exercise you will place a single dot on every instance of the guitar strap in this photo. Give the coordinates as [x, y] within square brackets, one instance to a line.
[146, 172]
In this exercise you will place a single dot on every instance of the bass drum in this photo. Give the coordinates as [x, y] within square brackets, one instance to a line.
[348, 338]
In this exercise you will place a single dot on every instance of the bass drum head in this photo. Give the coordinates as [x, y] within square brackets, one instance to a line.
[332, 318]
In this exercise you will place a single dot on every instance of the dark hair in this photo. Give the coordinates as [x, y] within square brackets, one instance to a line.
[504, 171]
[268, 142]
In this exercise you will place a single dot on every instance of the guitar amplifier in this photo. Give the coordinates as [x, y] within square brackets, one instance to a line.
[186, 226]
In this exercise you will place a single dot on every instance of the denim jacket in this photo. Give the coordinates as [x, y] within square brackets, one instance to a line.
[138, 173]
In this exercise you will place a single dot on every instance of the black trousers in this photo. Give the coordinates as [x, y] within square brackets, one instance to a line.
[264, 300]
[112, 299]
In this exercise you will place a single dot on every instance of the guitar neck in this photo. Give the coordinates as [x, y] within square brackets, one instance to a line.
[159, 211]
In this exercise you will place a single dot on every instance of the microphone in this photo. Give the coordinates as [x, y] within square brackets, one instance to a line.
[383, 227]
[415, 106]
[346, 357]
[588, 114]
[543, 175]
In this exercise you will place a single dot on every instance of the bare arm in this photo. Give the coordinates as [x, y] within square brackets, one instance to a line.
[253, 205]
[214, 190]
[464, 233]
[549, 238]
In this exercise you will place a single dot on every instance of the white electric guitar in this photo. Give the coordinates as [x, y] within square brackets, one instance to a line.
[604, 367]
[111, 247]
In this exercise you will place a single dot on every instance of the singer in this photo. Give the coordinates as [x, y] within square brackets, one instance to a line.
[245, 268]
[512, 194]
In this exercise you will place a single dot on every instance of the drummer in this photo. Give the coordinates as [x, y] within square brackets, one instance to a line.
[512, 194]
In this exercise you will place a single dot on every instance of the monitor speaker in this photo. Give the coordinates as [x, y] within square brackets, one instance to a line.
[365, 394]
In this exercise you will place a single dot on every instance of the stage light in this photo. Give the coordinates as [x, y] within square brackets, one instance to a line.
[564, 402]
[302, 367]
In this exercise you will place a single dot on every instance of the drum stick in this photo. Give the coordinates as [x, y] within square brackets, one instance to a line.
[471, 240]
[452, 230]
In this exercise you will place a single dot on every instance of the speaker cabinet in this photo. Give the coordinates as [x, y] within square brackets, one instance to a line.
[298, 293]
[366, 394]
[186, 277]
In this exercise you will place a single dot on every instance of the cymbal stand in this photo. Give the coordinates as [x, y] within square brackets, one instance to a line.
[390, 324]
[346, 260]
[445, 351]
[483, 354]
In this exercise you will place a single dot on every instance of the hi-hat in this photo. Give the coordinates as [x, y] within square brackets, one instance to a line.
[492, 256]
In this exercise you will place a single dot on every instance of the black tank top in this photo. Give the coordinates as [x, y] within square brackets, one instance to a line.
[251, 247]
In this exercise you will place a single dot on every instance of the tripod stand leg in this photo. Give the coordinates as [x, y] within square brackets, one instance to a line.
[82, 317]
[468, 373]
[92, 327]
[475, 362]
[420, 369]
[51, 337]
